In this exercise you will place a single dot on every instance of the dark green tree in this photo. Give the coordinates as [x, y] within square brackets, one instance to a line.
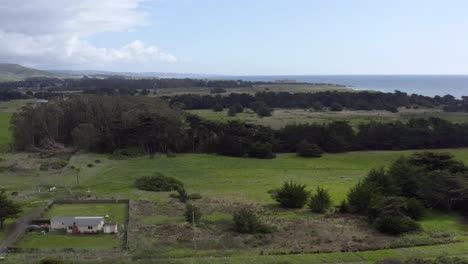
[291, 195]
[320, 201]
[8, 208]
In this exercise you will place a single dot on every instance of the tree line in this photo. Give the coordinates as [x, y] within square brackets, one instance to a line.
[110, 123]
[333, 100]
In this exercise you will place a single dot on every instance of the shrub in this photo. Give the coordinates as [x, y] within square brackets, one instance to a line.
[58, 164]
[90, 165]
[247, 221]
[261, 150]
[128, 153]
[51, 261]
[218, 108]
[291, 195]
[231, 112]
[192, 214]
[44, 166]
[359, 197]
[97, 161]
[194, 196]
[158, 183]
[238, 108]
[183, 195]
[395, 224]
[320, 201]
[306, 149]
[344, 207]
[336, 107]
[414, 209]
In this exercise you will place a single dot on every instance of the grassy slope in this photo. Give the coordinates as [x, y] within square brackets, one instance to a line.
[239, 178]
[282, 117]
[15, 72]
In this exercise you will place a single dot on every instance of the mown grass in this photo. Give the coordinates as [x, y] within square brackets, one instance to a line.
[283, 117]
[57, 240]
[117, 212]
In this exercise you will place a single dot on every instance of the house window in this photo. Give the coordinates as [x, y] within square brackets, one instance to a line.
[90, 227]
[70, 227]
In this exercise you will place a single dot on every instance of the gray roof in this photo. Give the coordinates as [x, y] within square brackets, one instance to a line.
[80, 221]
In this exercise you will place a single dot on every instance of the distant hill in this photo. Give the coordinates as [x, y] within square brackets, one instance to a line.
[14, 72]
[78, 73]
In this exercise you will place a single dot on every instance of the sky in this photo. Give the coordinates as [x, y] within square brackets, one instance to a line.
[241, 37]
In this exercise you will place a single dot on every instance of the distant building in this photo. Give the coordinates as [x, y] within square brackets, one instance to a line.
[82, 225]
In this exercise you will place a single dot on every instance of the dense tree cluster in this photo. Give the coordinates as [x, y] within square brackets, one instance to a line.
[110, 123]
[393, 199]
[339, 136]
[333, 100]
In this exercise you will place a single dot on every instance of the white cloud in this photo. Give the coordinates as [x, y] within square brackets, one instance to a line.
[55, 32]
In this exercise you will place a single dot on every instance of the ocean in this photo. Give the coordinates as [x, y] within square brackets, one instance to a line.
[430, 85]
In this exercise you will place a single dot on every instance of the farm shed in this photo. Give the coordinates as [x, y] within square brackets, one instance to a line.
[78, 225]
[110, 228]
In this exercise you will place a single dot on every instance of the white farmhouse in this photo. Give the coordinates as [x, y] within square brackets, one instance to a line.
[78, 225]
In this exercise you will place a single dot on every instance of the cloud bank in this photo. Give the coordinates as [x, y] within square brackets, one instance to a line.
[54, 32]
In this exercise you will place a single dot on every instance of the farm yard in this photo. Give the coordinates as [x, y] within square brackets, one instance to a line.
[58, 239]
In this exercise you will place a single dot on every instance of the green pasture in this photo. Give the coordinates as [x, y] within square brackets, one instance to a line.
[286, 87]
[283, 117]
[245, 179]
[58, 240]
[117, 212]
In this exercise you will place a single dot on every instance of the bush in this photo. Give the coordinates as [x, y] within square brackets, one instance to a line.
[414, 209]
[158, 183]
[238, 108]
[183, 195]
[232, 112]
[58, 164]
[44, 166]
[51, 261]
[247, 221]
[359, 197]
[261, 150]
[97, 161]
[127, 153]
[90, 165]
[306, 149]
[320, 201]
[291, 195]
[336, 107]
[218, 108]
[344, 207]
[395, 224]
[192, 214]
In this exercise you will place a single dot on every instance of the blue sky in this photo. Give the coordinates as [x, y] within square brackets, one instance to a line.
[265, 37]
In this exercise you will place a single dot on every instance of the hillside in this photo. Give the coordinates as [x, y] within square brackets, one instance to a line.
[15, 72]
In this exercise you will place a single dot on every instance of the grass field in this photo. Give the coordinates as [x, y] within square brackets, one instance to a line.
[57, 240]
[292, 88]
[117, 212]
[6, 111]
[282, 117]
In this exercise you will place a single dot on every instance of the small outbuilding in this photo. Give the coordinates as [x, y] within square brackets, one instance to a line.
[110, 228]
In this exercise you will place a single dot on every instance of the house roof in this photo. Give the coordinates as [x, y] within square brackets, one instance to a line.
[79, 221]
